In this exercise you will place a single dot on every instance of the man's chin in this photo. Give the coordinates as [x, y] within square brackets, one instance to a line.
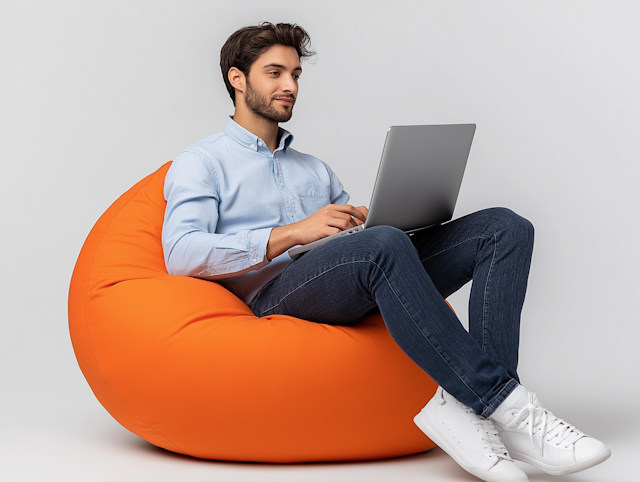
[285, 113]
[288, 118]
[285, 116]
[273, 112]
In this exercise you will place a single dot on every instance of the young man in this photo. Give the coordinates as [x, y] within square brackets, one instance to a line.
[238, 200]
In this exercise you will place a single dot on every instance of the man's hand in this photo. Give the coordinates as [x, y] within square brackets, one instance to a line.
[329, 220]
[363, 210]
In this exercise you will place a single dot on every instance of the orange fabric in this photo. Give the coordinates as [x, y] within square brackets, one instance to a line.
[187, 366]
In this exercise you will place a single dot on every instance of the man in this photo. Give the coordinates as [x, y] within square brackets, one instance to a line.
[238, 200]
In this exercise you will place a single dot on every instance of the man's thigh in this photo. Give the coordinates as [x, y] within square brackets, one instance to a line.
[326, 285]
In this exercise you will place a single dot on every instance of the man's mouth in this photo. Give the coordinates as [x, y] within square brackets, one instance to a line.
[285, 100]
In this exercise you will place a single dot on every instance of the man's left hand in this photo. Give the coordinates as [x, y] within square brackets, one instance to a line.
[364, 211]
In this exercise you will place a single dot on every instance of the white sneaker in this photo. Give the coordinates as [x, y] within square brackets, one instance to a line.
[471, 441]
[536, 436]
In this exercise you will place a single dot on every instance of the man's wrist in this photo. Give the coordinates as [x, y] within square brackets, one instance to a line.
[281, 239]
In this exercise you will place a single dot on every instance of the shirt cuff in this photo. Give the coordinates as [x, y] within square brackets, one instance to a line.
[258, 240]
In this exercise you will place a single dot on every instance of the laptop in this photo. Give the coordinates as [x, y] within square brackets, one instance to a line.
[418, 179]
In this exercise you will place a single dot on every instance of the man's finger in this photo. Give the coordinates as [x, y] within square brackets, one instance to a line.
[342, 220]
[364, 210]
[349, 209]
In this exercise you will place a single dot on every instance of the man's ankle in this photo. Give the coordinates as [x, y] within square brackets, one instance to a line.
[518, 398]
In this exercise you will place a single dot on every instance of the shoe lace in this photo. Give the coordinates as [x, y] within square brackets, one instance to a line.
[495, 447]
[491, 436]
[539, 419]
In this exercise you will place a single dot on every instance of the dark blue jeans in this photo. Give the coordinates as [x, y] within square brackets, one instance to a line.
[408, 278]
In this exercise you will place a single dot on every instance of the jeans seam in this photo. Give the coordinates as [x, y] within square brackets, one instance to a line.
[486, 288]
[454, 246]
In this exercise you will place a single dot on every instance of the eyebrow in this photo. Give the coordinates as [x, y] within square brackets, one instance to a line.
[280, 66]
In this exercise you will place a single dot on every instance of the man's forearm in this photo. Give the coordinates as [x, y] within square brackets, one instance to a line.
[281, 239]
[215, 256]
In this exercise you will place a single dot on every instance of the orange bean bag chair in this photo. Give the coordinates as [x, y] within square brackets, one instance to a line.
[186, 365]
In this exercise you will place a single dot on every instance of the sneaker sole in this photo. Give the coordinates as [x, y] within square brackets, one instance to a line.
[567, 469]
[424, 423]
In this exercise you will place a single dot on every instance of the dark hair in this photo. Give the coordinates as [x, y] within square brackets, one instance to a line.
[244, 46]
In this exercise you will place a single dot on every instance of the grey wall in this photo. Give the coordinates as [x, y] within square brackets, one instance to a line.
[96, 95]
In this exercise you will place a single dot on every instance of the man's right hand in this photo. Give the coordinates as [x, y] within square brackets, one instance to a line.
[329, 220]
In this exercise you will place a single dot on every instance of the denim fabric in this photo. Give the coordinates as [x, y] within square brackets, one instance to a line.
[408, 278]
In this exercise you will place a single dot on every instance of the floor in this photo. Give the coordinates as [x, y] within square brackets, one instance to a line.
[90, 446]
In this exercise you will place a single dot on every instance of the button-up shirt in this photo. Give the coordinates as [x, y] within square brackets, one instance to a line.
[226, 193]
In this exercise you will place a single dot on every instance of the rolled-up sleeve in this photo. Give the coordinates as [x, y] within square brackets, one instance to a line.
[189, 241]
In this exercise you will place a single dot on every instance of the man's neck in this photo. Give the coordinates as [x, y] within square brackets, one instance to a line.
[266, 130]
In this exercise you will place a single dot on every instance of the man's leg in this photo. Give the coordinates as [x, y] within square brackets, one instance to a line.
[493, 247]
[338, 282]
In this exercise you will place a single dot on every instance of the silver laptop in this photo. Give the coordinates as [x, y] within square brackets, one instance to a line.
[418, 179]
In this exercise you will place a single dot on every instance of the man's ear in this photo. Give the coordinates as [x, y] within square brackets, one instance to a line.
[237, 79]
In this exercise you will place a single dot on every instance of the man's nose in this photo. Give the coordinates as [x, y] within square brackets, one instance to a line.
[289, 84]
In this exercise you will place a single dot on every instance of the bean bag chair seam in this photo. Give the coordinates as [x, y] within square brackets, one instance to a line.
[89, 324]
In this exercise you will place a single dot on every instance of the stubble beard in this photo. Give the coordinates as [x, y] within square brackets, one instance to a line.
[261, 106]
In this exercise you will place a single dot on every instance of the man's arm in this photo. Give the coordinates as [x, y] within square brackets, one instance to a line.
[191, 245]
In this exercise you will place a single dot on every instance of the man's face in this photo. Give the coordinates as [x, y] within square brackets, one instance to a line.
[272, 83]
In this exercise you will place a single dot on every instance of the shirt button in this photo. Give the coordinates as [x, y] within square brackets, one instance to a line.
[260, 143]
[253, 146]
[290, 215]
[281, 185]
[254, 261]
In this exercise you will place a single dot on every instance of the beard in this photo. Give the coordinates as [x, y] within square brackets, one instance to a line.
[261, 106]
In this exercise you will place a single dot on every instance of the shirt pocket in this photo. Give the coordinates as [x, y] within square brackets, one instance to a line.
[313, 197]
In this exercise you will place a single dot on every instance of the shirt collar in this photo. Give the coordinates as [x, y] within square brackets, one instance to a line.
[249, 140]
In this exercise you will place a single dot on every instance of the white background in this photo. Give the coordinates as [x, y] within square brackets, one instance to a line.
[96, 95]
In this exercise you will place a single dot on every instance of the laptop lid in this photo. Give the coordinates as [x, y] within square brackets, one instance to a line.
[420, 175]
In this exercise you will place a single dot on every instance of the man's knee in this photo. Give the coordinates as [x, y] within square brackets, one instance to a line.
[386, 239]
[517, 226]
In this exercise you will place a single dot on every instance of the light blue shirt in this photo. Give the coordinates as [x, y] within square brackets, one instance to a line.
[226, 193]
